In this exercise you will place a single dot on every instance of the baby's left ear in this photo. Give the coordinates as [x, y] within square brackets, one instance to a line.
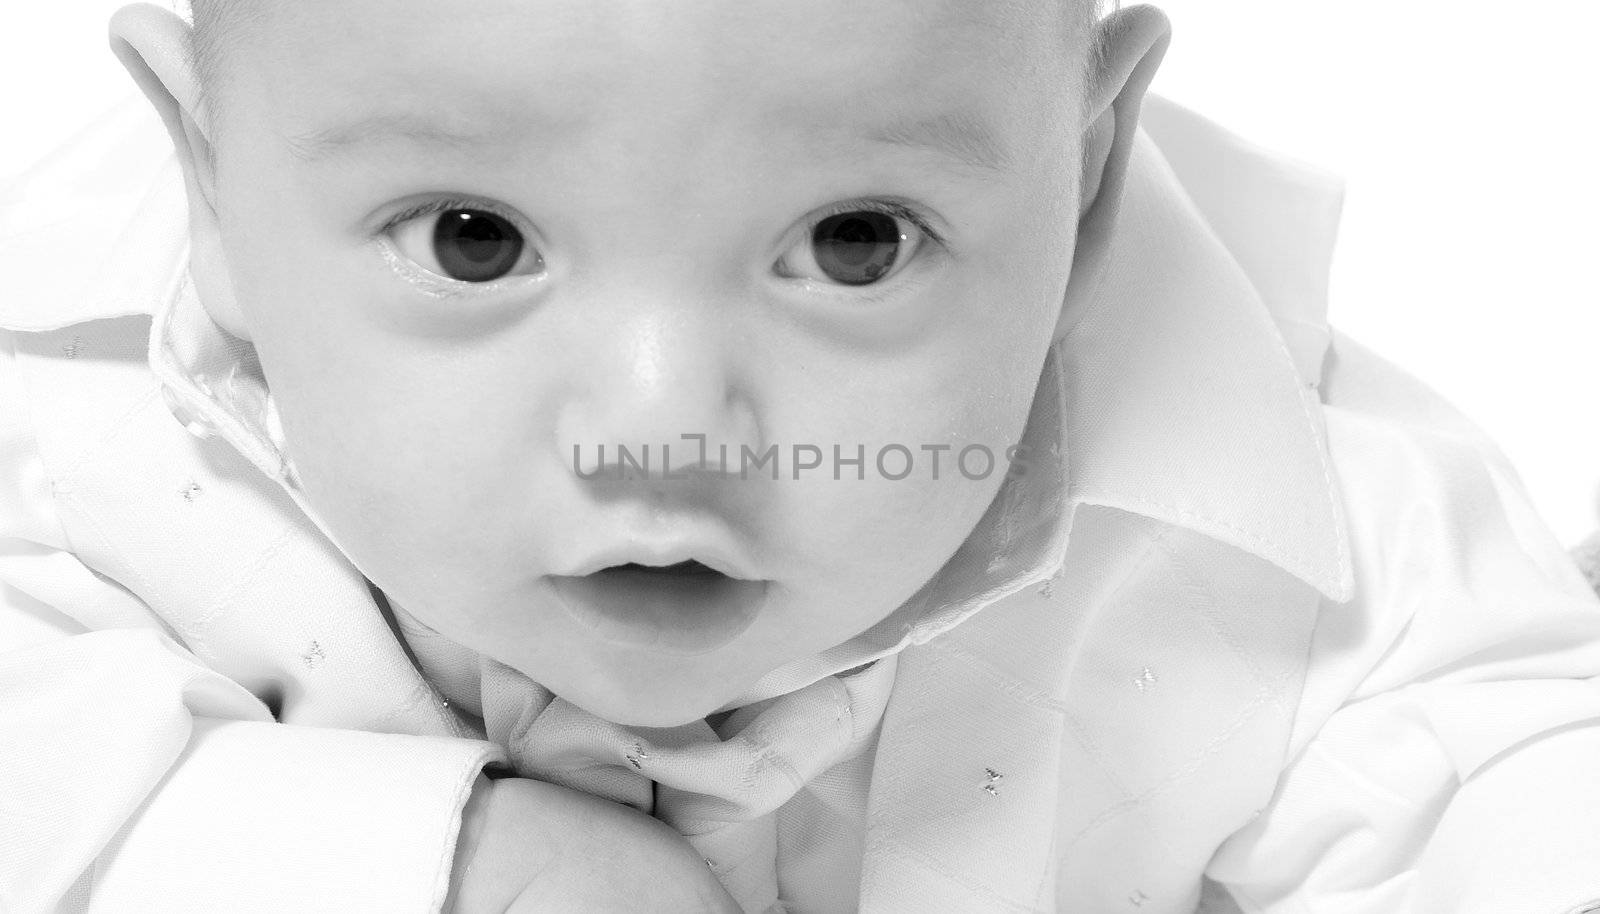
[1131, 44]
[153, 44]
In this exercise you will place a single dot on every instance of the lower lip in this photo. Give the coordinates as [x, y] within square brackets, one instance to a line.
[678, 614]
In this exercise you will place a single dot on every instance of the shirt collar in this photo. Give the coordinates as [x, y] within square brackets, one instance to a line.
[1192, 383]
[1187, 393]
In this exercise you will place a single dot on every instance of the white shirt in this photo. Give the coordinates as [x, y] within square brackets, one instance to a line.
[1275, 629]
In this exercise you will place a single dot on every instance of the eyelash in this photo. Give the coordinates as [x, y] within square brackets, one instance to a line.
[887, 208]
[442, 205]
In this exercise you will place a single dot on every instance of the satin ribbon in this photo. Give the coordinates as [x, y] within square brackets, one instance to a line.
[719, 787]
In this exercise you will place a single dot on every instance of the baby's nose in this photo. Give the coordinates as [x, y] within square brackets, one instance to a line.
[662, 382]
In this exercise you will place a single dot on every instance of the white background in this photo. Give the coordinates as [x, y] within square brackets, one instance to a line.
[1466, 131]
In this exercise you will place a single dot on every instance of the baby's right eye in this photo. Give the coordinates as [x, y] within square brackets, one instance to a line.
[464, 243]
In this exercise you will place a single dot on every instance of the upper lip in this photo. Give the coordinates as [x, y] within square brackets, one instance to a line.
[663, 552]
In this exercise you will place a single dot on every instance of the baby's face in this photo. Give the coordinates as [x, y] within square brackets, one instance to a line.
[470, 239]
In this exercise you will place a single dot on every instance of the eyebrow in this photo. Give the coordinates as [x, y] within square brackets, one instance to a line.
[958, 135]
[340, 139]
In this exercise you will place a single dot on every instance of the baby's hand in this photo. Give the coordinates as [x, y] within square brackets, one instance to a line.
[528, 847]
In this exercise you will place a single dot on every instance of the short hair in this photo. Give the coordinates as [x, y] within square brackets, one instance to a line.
[215, 24]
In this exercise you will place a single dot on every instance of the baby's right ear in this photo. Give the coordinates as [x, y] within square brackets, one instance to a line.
[153, 44]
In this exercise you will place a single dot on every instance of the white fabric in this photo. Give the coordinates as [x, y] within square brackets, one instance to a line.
[1277, 630]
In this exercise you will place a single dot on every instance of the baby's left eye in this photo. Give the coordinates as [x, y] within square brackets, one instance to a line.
[856, 248]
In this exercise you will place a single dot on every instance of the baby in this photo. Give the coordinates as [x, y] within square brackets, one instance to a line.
[741, 456]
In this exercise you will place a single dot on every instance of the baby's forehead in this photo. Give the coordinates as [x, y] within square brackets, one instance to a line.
[1005, 32]
[585, 59]
[1007, 17]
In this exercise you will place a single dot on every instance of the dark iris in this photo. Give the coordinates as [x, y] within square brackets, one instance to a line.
[857, 248]
[476, 246]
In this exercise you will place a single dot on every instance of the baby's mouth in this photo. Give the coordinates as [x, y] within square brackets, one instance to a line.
[688, 569]
[686, 608]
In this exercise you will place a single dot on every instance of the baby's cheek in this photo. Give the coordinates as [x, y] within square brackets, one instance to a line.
[899, 532]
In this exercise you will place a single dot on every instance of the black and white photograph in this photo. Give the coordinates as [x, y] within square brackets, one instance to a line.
[808, 457]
